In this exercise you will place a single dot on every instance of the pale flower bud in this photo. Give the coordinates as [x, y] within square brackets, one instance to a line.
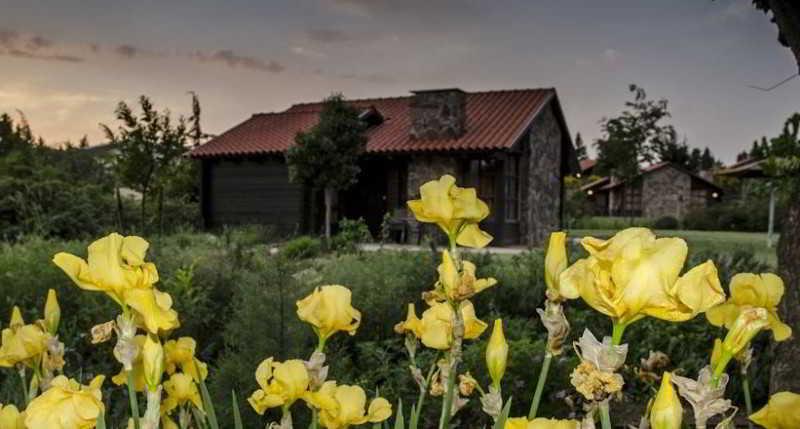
[153, 362]
[667, 412]
[52, 312]
[497, 354]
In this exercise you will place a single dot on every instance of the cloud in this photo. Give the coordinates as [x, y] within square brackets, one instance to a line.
[612, 56]
[374, 78]
[328, 35]
[33, 47]
[303, 51]
[233, 60]
[127, 51]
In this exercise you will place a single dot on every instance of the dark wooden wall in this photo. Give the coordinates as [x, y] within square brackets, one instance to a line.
[252, 191]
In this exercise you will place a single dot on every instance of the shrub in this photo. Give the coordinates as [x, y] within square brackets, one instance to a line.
[666, 222]
[302, 247]
[351, 234]
[610, 222]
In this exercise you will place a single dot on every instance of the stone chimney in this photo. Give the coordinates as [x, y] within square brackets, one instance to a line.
[438, 113]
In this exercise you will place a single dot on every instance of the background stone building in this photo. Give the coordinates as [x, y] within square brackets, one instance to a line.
[512, 145]
[660, 190]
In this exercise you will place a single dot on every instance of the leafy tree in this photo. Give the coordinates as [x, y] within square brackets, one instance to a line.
[150, 149]
[631, 138]
[326, 157]
[580, 148]
[786, 15]
[707, 160]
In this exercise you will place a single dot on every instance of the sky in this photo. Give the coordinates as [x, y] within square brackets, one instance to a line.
[67, 64]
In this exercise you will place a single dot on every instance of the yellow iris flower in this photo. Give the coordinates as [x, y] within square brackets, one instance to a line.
[181, 390]
[344, 406]
[181, 353]
[435, 329]
[328, 309]
[11, 418]
[540, 423]
[66, 405]
[456, 210]
[753, 290]
[497, 354]
[282, 383]
[21, 343]
[781, 412]
[555, 262]
[115, 265]
[455, 285]
[667, 412]
[634, 274]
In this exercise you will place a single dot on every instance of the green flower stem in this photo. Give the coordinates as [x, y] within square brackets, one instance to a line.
[537, 395]
[422, 395]
[447, 403]
[605, 417]
[720, 368]
[321, 343]
[747, 401]
[616, 333]
[25, 393]
[134, 401]
[314, 419]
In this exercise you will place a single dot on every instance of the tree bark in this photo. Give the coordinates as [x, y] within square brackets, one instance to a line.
[328, 210]
[786, 355]
[787, 17]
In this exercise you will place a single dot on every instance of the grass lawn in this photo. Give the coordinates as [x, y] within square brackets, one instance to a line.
[707, 240]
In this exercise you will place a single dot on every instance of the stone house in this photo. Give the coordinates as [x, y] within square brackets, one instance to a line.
[513, 146]
[660, 190]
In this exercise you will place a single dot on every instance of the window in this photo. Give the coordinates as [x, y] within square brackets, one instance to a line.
[512, 189]
[487, 175]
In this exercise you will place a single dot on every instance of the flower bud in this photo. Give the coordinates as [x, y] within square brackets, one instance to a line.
[467, 384]
[52, 312]
[497, 353]
[153, 362]
[749, 323]
[667, 412]
[555, 262]
[16, 318]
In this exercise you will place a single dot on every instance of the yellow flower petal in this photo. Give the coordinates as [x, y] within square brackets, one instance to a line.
[667, 412]
[153, 309]
[472, 236]
[781, 412]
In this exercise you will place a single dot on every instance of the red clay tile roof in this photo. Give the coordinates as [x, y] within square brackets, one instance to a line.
[495, 120]
[587, 164]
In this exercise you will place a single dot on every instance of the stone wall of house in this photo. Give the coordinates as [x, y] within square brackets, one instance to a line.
[541, 203]
[666, 192]
[421, 169]
[438, 114]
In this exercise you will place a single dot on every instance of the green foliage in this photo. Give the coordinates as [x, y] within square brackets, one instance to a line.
[302, 247]
[610, 222]
[150, 151]
[351, 233]
[666, 222]
[327, 155]
[730, 216]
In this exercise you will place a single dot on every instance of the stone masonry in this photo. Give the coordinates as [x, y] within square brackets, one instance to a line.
[666, 192]
[440, 113]
[541, 205]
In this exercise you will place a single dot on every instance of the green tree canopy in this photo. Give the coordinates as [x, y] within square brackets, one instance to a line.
[326, 156]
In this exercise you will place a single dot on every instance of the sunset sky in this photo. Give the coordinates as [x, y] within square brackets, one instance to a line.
[66, 64]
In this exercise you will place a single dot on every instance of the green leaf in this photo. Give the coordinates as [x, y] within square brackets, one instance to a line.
[500, 423]
[398, 419]
[414, 417]
[237, 416]
[101, 421]
[209, 406]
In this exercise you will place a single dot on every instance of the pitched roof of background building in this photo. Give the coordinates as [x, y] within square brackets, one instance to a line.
[495, 120]
[605, 184]
[587, 164]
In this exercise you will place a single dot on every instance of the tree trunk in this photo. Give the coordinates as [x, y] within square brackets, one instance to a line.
[120, 218]
[328, 209]
[143, 211]
[787, 17]
[786, 360]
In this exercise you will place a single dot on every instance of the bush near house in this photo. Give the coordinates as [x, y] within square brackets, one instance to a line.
[238, 300]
